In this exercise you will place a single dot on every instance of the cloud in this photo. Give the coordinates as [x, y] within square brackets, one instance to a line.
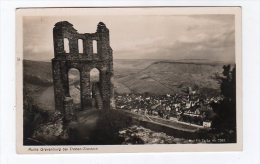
[219, 46]
[161, 37]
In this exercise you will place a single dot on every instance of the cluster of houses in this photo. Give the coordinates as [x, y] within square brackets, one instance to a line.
[189, 108]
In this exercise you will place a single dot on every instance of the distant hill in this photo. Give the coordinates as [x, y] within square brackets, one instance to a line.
[37, 72]
[162, 77]
[137, 76]
[202, 61]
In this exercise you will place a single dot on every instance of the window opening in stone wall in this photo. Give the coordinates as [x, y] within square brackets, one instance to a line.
[80, 44]
[94, 75]
[94, 46]
[74, 86]
[66, 45]
[94, 79]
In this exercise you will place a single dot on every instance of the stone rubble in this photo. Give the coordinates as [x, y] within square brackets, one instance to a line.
[140, 135]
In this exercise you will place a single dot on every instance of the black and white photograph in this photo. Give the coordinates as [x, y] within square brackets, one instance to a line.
[148, 76]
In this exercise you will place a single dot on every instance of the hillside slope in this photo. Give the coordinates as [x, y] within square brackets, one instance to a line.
[172, 77]
[154, 77]
[37, 72]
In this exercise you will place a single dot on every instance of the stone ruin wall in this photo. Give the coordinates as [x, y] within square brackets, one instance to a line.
[84, 62]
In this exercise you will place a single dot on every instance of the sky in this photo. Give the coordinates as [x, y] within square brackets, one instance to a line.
[173, 37]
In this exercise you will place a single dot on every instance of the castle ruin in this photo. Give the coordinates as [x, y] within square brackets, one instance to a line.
[84, 61]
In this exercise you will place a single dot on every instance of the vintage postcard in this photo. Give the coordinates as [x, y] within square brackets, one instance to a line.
[113, 80]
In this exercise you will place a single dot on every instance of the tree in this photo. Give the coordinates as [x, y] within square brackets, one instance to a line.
[226, 109]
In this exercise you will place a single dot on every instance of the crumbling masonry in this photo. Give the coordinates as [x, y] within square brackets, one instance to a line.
[83, 62]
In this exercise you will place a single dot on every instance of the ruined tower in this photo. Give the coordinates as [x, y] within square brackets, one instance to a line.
[83, 61]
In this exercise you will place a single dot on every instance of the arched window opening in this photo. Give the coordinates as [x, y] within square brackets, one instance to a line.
[74, 86]
[94, 75]
[94, 79]
[66, 45]
[94, 46]
[80, 45]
